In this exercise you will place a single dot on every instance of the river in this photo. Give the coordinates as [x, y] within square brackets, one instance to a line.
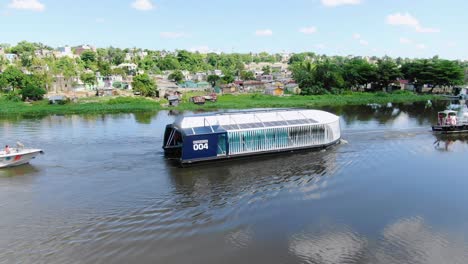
[104, 193]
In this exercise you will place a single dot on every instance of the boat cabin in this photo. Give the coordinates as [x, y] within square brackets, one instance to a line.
[447, 118]
[232, 134]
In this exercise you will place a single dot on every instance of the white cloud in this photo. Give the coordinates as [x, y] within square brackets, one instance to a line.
[308, 30]
[405, 41]
[34, 5]
[201, 49]
[399, 19]
[321, 46]
[420, 46]
[143, 5]
[264, 32]
[363, 42]
[451, 44]
[333, 3]
[173, 35]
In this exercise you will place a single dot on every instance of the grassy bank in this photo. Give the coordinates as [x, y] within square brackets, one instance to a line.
[83, 106]
[103, 105]
[265, 101]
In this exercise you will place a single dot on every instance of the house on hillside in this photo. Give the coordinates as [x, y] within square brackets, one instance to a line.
[253, 87]
[82, 48]
[265, 78]
[11, 57]
[229, 88]
[292, 88]
[276, 89]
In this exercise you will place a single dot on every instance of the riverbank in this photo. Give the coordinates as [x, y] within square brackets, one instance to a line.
[131, 104]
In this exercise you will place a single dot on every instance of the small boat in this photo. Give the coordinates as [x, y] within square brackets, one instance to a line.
[449, 121]
[18, 156]
[228, 135]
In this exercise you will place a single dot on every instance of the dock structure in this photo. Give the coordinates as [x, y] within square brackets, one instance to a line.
[233, 134]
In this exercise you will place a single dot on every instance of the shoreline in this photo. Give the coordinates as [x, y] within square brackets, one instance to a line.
[137, 105]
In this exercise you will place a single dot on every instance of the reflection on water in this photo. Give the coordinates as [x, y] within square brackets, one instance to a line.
[329, 245]
[26, 169]
[451, 142]
[104, 193]
[411, 240]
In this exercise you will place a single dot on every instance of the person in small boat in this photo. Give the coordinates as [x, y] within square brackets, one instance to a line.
[7, 149]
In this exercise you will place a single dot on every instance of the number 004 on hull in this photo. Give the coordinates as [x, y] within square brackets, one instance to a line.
[234, 134]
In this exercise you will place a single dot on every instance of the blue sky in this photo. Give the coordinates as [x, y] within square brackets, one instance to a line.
[335, 27]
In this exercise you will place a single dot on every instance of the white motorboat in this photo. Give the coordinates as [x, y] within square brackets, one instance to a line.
[18, 156]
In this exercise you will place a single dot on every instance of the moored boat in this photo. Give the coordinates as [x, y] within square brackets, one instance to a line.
[450, 121]
[18, 156]
[238, 134]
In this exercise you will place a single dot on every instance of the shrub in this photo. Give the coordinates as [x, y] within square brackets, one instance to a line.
[13, 96]
[32, 92]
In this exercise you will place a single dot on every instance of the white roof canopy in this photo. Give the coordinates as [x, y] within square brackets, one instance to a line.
[257, 119]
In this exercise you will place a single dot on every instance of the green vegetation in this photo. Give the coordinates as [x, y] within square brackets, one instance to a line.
[144, 85]
[93, 105]
[246, 101]
[101, 105]
[177, 76]
[322, 75]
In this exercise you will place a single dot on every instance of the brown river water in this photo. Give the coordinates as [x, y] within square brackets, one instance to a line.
[104, 193]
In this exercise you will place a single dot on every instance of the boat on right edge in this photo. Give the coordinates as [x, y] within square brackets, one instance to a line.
[450, 121]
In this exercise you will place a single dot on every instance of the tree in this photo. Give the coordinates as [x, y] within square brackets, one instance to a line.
[358, 71]
[213, 79]
[89, 58]
[387, 72]
[169, 63]
[247, 75]
[176, 76]
[266, 70]
[13, 78]
[104, 68]
[33, 88]
[88, 78]
[145, 85]
[228, 78]
[66, 67]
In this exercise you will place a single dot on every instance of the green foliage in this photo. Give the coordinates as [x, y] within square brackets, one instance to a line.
[13, 96]
[358, 72]
[89, 78]
[247, 75]
[128, 100]
[89, 59]
[228, 79]
[33, 88]
[66, 67]
[176, 76]
[13, 78]
[213, 79]
[190, 61]
[266, 70]
[145, 85]
[318, 78]
[387, 72]
[168, 63]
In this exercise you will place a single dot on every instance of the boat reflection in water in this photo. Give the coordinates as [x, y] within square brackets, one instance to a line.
[26, 169]
[450, 142]
[249, 180]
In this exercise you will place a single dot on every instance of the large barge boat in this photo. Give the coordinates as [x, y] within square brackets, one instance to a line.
[227, 135]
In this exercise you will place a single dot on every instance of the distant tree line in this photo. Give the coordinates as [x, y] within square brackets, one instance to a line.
[32, 74]
[322, 74]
